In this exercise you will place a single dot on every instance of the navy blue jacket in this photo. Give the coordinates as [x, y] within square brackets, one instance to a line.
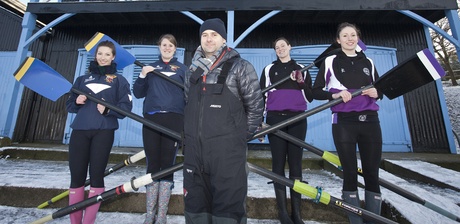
[105, 85]
[160, 94]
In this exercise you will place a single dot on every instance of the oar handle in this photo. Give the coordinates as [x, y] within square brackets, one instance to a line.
[286, 78]
[131, 115]
[175, 82]
[328, 52]
[305, 114]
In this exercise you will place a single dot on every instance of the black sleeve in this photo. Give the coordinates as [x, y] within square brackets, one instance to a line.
[320, 83]
[307, 88]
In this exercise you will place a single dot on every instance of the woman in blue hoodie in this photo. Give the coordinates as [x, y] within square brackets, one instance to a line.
[94, 126]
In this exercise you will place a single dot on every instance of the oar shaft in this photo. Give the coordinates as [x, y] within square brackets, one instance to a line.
[177, 83]
[130, 186]
[54, 199]
[131, 115]
[132, 159]
[334, 159]
[323, 197]
[413, 197]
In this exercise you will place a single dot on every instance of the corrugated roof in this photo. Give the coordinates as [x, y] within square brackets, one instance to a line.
[14, 5]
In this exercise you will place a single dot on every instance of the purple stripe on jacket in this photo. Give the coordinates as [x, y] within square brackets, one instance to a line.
[357, 103]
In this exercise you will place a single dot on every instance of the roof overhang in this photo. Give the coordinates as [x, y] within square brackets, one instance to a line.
[295, 11]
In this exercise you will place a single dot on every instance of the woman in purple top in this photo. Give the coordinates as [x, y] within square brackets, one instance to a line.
[285, 101]
[355, 122]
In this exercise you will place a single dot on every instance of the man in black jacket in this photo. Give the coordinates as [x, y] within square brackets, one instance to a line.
[224, 108]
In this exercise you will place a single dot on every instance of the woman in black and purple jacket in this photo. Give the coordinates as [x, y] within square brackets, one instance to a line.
[285, 101]
[355, 122]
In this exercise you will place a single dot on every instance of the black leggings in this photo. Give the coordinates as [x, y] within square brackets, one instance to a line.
[282, 148]
[368, 137]
[161, 149]
[89, 147]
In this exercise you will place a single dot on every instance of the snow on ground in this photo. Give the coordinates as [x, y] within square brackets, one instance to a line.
[446, 199]
[452, 96]
[449, 177]
[55, 175]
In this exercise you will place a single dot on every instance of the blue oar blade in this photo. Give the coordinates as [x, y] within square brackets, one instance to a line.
[123, 58]
[42, 79]
[413, 73]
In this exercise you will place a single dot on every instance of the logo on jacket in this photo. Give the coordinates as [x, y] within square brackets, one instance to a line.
[91, 78]
[215, 106]
[366, 71]
[109, 78]
[174, 67]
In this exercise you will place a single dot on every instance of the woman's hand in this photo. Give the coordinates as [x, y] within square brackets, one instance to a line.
[81, 99]
[100, 108]
[371, 92]
[145, 70]
[346, 96]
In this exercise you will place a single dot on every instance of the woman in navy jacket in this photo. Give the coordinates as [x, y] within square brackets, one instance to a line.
[94, 127]
[163, 104]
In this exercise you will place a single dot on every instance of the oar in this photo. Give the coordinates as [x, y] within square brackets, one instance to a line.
[413, 73]
[334, 159]
[319, 195]
[132, 159]
[127, 187]
[123, 57]
[334, 48]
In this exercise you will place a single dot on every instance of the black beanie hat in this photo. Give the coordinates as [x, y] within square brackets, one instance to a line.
[215, 24]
